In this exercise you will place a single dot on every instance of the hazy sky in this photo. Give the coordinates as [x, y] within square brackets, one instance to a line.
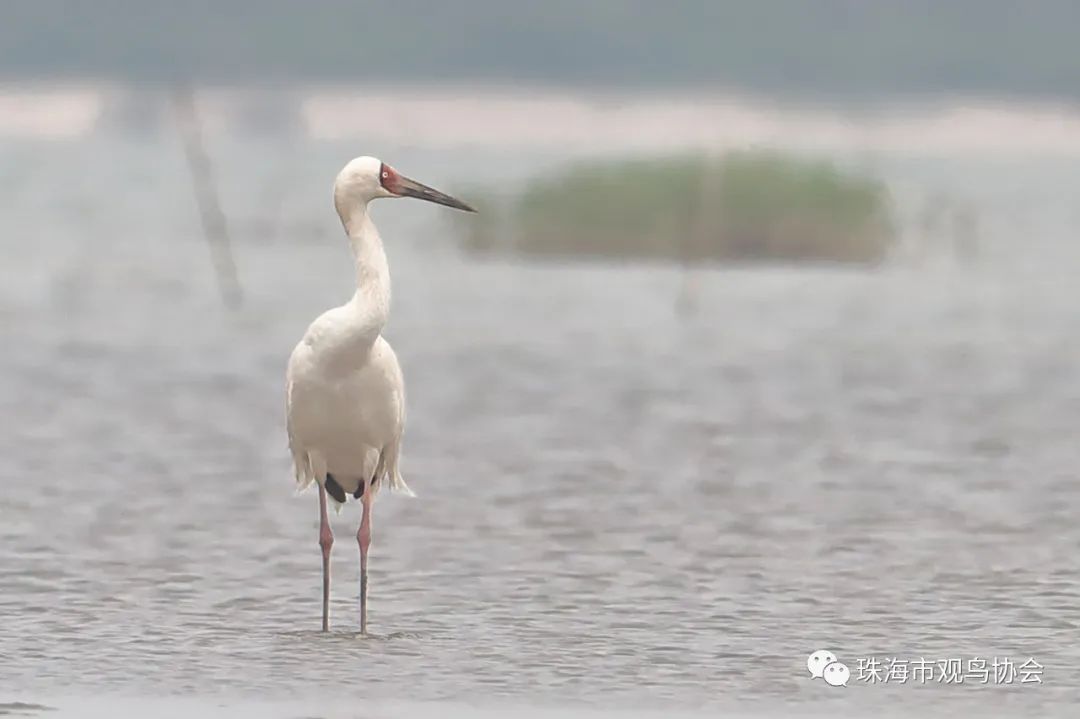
[789, 46]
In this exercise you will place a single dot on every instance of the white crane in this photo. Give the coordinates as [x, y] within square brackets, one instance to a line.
[345, 396]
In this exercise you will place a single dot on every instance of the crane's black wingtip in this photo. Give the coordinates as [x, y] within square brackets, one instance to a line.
[334, 489]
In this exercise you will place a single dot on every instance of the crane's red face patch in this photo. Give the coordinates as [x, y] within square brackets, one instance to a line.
[389, 178]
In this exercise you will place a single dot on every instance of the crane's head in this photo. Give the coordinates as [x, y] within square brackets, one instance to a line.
[367, 178]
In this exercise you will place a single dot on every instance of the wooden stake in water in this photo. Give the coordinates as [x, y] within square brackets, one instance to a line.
[699, 235]
[215, 228]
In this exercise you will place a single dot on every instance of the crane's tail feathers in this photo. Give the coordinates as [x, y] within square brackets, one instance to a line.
[306, 467]
[304, 478]
[393, 473]
[397, 484]
[309, 466]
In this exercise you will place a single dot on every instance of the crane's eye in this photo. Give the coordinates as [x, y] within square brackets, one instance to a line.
[386, 175]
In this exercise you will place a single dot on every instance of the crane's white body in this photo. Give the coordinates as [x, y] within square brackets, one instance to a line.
[345, 396]
[345, 404]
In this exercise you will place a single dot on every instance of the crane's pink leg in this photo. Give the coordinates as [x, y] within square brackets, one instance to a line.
[326, 540]
[363, 537]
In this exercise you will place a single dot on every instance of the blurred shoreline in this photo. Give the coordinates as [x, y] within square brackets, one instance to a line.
[462, 116]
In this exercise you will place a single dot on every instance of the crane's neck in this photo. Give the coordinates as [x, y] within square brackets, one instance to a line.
[369, 307]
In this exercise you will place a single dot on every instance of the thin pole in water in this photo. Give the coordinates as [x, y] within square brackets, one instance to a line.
[699, 234]
[215, 228]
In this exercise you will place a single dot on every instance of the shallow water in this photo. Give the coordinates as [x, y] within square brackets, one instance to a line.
[622, 509]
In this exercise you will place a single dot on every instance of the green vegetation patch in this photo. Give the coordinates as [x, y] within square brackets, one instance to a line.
[743, 206]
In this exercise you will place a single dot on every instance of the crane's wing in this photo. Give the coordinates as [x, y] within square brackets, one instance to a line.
[389, 458]
[301, 461]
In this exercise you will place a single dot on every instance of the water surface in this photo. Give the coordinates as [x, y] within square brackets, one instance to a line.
[623, 510]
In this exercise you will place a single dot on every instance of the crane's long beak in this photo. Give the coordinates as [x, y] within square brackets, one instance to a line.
[406, 187]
